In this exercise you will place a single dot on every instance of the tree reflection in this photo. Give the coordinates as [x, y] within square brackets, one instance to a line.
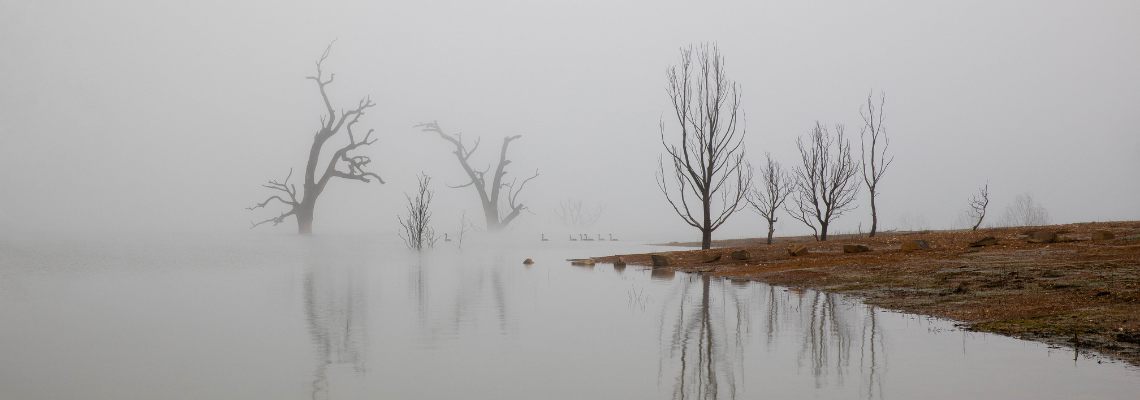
[707, 327]
[336, 311]
[449, 299]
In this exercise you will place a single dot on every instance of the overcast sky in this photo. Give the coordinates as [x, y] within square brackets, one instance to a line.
[167, 116]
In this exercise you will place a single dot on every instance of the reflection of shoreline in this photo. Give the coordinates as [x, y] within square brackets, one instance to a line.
[335, 309]
[706, 327]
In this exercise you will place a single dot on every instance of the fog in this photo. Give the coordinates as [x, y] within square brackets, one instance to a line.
[139, 116]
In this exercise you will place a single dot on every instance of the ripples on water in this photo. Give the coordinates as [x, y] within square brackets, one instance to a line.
[268, 316]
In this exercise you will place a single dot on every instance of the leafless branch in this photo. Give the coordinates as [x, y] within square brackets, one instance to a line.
[824, 185]
[978, 204]
[874, 161]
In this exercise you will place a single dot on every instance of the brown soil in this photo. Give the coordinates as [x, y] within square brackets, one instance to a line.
[1073, 292]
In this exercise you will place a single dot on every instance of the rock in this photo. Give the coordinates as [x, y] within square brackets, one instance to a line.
[619, 263]
[915, 245]
[710, 256]
[528, 261]
[586, 262]
[797, 250]
[662, 260]
[706, 269]
[855, 248]
[986, 241]
[1041, 237]
[1103, 235]
[741, 255]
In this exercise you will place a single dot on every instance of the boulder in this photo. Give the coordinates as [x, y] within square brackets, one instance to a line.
[528, 261]
[662, 260]
[797, 250]
[706, 269]
[855, 248]
[741, 255]
[710, 256]
[619, 263]
[1102, 235]
[1041, 237]
[986, 241]
[915, 245]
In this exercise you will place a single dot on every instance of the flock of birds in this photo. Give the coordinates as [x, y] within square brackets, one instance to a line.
[585, 238]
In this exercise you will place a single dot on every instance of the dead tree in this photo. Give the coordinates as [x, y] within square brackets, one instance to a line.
[576, 214]
[769, 199]
[488, 194]
[876, 164]
[978, 204]
[824, 185]
[1025, 212]
[417, 231]
[354, 165]
[709, 161]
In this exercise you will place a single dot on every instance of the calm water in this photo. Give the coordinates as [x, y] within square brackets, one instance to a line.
[285, 317]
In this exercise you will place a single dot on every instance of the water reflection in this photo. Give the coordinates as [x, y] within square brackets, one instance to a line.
[709, 324]
[449, 299]
[336, 312]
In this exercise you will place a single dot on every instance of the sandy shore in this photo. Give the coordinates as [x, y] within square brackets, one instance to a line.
[1072, 292]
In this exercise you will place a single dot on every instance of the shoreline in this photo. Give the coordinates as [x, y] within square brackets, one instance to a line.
[1074, 292]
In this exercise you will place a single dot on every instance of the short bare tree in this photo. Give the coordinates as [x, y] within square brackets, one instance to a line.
[708, 162]
[416, 227]
[489, 195]
[464, 227]
[575, 213]
[1025, 212]
[767, 200]
[354, 165]
[978, 204]
[874, 160]
[824, 186]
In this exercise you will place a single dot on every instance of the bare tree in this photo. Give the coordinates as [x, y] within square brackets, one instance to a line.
[1025, 212]
[464, 226]
[417, 231]
[355, 166]
[710, 159]
[576, 214]
[824, 188]
[978, 204]
[873, 169]
[488, 194]
[769, 199]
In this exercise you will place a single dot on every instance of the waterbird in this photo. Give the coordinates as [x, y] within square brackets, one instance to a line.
[600, 239]
[586, 237]
[445, 238]
[612, 238]
[572, 239]
[543, 237]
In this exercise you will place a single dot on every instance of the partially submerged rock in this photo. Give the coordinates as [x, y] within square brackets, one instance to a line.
[1041, 237]
[741, 255]
[619, 263]
[528, 261]
[662, 260]
[797, 250]
[585, 262]
[855, 248]
[1103, 235]
[915, 245]
[986, 241]
[710, 256]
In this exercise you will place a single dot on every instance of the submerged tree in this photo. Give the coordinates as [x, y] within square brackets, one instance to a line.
[576, 214]
[709, 160]
[354, 165]
[875, 162]
[489, 195]
[417, 231]
[824, 185]
[770, 198]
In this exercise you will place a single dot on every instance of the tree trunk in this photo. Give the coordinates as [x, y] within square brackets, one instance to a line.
[706, 230]
[305, 219]
[874, 216]
[823, 232]
[771, 230]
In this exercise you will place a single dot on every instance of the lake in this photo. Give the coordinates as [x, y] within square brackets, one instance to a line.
[269, 316]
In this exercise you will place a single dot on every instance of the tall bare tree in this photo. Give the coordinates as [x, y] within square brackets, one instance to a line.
[417, 231]
[488, 194]
[978, 204]
[354, 165]
[710, 159]
[824, 186]
[770, 198]
[575, 213]
[875, 161]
